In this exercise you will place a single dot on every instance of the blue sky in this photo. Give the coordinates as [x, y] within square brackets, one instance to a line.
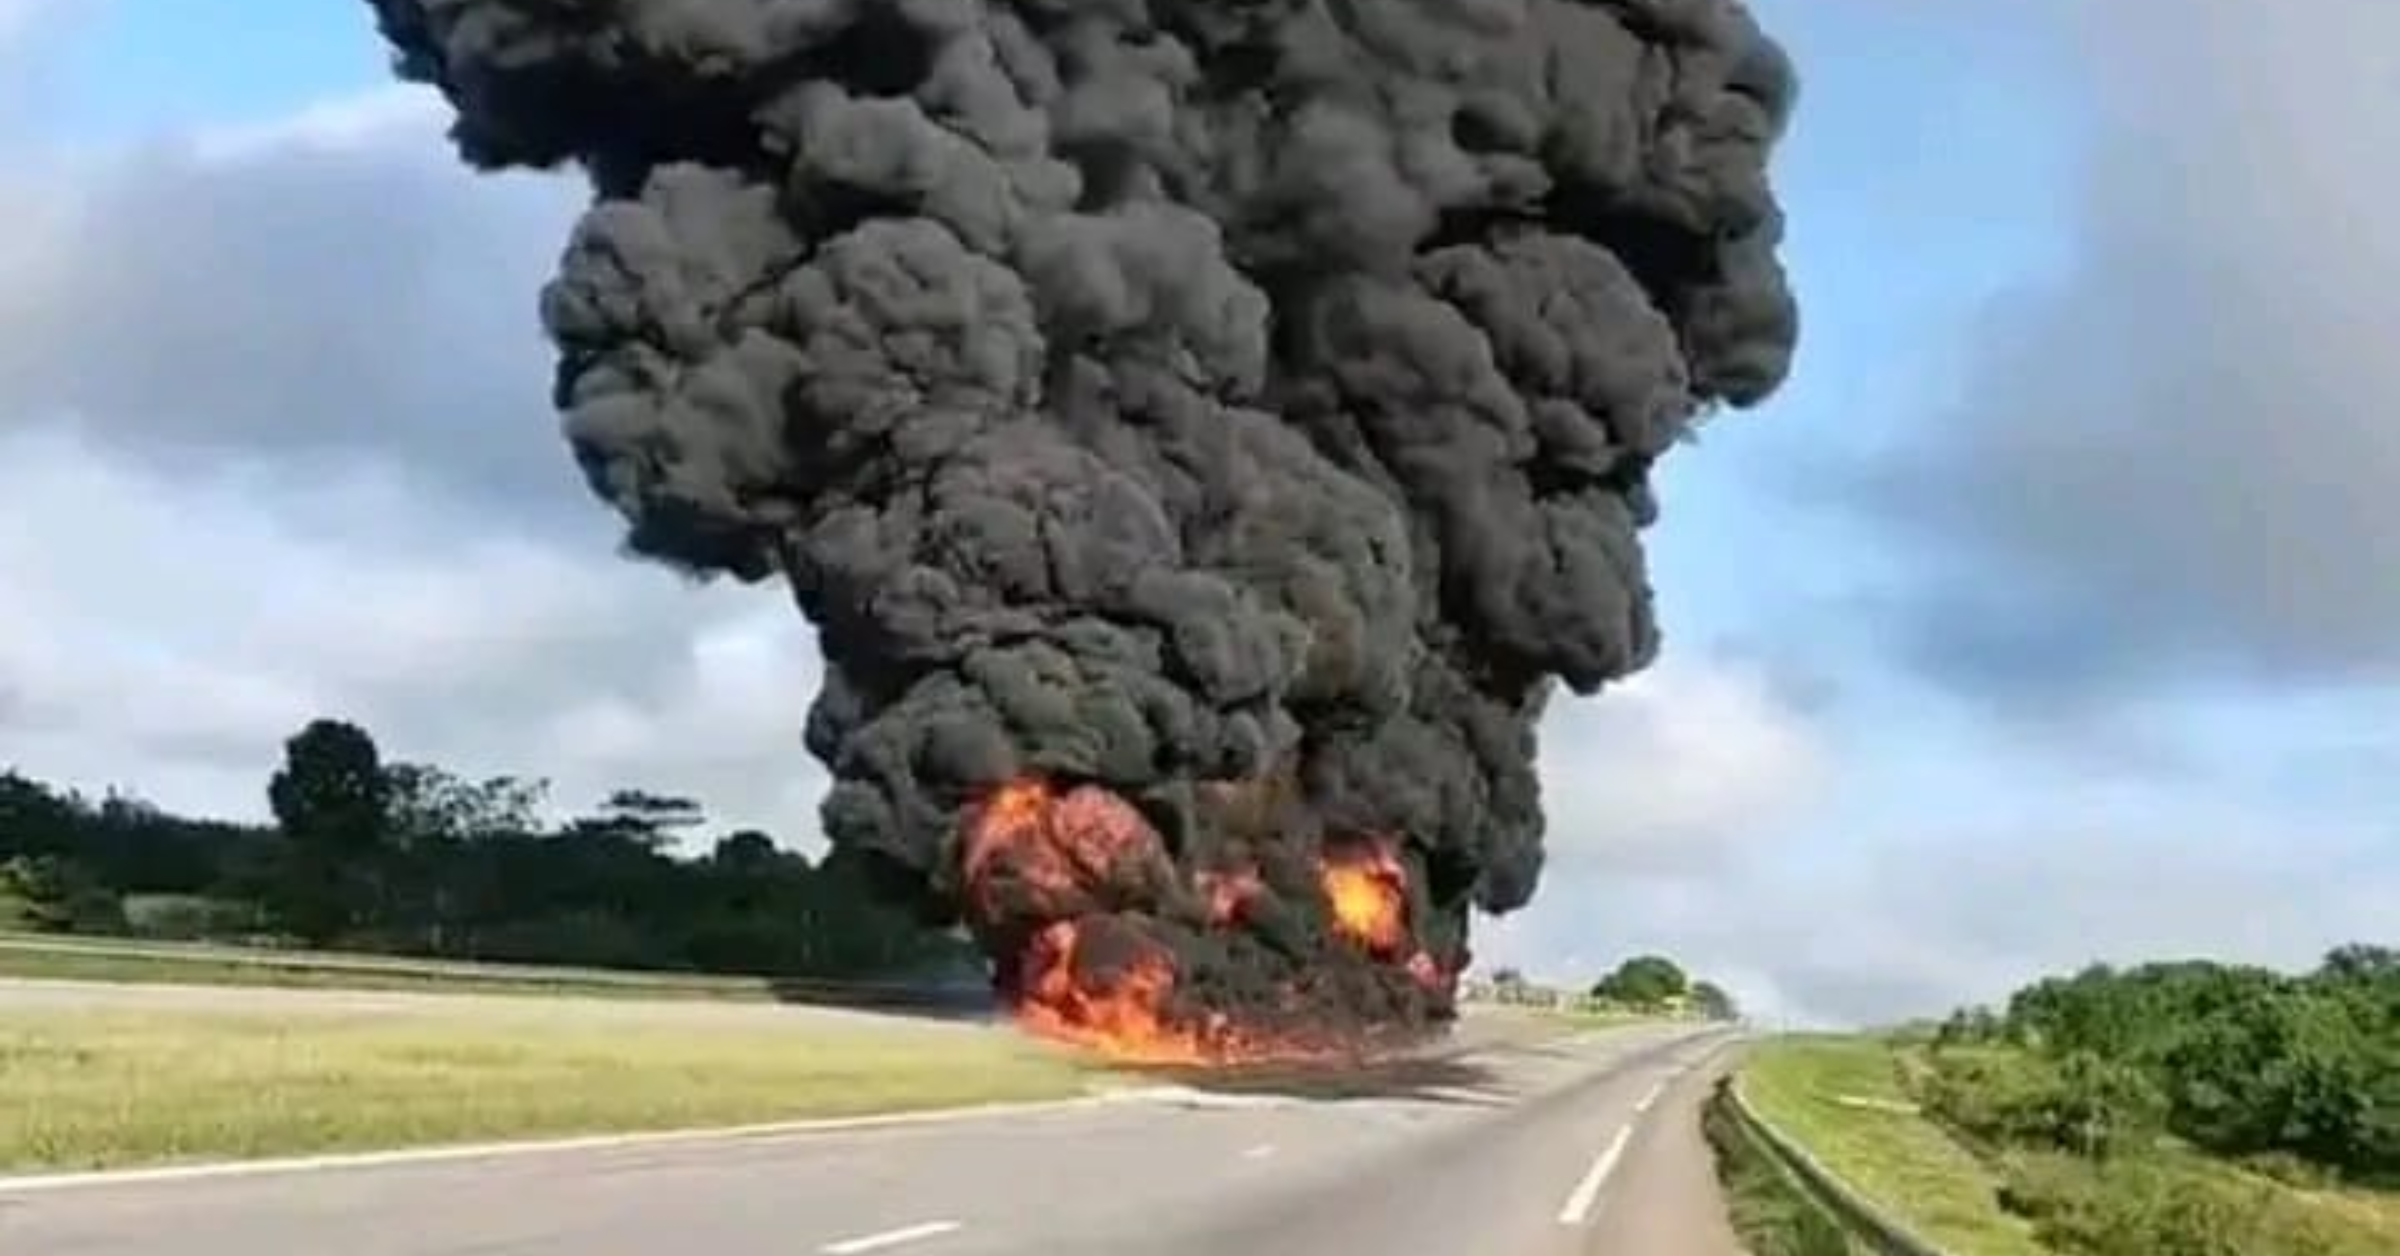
[1914, 833]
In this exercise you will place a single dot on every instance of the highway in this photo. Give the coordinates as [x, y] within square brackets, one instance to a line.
[1511, 1148]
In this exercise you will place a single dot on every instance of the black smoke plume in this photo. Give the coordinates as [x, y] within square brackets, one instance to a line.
[1244, 407]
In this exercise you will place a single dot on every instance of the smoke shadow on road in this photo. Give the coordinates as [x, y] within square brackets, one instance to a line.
[1436, 1079]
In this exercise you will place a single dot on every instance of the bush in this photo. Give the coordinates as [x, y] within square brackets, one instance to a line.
[2159, 1207]
[187, 917]
[54, 895]
[2081, 1103]
[584, 939]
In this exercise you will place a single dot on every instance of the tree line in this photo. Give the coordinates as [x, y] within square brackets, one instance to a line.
[2119, 1096]
[1649, 984]
[410, 859]
[2238, 1060]
[1656, 983]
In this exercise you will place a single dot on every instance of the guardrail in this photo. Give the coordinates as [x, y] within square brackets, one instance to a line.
[1854, 1212]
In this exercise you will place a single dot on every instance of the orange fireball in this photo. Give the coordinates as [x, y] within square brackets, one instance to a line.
[1121, 1016]
[1073, 880]
[1366, 892]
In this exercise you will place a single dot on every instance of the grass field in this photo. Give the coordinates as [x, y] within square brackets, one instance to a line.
[93, 1088]
[1841, 1098]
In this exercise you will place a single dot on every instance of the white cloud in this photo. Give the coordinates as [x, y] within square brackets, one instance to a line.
[275, 436]
[167, 633]
[1676, 768]
[368, 121]
[1919, 914]
[333, 289]
[1661, 792]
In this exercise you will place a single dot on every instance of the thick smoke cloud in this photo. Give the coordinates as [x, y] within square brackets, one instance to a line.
[1247, 401]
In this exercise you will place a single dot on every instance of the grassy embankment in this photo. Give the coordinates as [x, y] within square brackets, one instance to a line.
[1842, 1099]
[94, 1087]
[99, 1084]
[1849, 1101]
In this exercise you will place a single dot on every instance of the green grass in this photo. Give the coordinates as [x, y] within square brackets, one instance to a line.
[100, 1088]
[2350, 1218]
[2371, 1213]
[117, 960]
[1841, 1099]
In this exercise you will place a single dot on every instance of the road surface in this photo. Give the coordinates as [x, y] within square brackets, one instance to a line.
[1565, 1148]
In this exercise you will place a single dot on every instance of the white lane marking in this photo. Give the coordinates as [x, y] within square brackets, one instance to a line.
[1206, 1100]
[888, 1238]
[1578, 1208]
[1260, 1152]
[1654, 1092]
[38, 1183]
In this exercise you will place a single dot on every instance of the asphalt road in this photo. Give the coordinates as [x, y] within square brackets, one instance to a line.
[1510, 1149]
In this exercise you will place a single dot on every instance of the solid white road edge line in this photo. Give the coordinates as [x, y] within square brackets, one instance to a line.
[1578, 1208]
[888, 1238]
[28, 1184]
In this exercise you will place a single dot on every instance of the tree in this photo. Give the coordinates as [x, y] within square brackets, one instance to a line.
[411, 859]
[651, 818]
[748, 851]
[1643, 981]
[1713, 1001]
[329, 800]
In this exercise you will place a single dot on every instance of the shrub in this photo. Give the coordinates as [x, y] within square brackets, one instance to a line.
[186, 917]
[2080, 1103]
[2156, 1206]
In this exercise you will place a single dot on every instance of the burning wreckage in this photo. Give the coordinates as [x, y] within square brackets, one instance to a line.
[1203, 434]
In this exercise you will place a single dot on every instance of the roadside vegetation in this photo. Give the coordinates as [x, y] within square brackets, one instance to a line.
[94, 1088]
[369, 856]
[1642, 988]
[1844, 1100]
[2174, 1109]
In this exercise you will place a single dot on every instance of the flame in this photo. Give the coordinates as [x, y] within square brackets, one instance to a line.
[1121, 1015]
[1366, 891]
[1071, 880]
[1062, 847]
[1229, 893]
